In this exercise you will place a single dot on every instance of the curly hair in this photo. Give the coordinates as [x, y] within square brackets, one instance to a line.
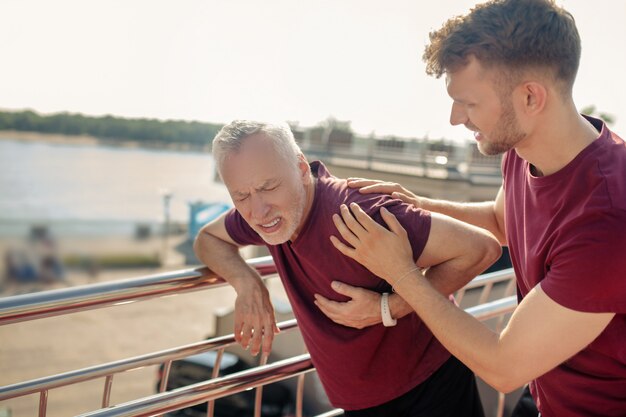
[515, 35]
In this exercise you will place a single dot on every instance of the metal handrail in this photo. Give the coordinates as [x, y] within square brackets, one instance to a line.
[491, 278]
[493, 309]
[487, 281]
[209, 390]
[105, 369]
[59, 302]
[51, 303]
[262, 375]
[482, 312]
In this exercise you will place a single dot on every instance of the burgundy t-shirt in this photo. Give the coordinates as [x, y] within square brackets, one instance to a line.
[358, 368]
[567, 232]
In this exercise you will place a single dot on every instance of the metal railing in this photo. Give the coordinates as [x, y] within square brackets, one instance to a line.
[88, 297]
[418, 158]
[58, 302]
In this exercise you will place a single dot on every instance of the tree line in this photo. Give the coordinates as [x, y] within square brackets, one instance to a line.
[144, 131]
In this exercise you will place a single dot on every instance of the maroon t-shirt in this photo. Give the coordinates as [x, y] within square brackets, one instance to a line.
[567, 232]
[358, 368]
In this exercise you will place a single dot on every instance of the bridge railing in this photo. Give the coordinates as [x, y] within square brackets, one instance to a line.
[65, 301]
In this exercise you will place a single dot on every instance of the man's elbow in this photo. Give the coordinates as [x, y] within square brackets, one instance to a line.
[199, 243]
[485, 252]
[505, 383]
[492, 251]
[505, 373]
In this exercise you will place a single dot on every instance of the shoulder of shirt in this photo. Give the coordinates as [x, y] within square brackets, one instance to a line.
[370, 203]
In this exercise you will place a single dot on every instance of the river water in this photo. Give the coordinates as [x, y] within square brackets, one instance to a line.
[98, 190]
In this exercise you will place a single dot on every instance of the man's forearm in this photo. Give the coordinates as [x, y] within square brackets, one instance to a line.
[224, 259]
[452, 275]
[254, 321]
[465, 337]
[444, 279]
[478, 214]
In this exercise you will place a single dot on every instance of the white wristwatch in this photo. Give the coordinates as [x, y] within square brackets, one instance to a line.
[388, 321]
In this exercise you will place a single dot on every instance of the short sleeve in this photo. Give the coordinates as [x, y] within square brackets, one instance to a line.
[588, 271]
[239, 230]
[415, 221]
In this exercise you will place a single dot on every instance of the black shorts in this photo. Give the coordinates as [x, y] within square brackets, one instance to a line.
[450, 392]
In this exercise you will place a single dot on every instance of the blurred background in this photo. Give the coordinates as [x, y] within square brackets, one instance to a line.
[108, 108]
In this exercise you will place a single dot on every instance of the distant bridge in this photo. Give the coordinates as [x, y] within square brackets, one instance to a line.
[451, 172]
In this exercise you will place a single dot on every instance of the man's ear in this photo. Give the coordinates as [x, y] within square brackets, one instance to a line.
[533, 97]
[304, 168]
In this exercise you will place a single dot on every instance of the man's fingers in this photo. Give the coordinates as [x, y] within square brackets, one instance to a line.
[262, 338]
[328, 306]
[392, 222]
[238, 329]
[268, 338]
[365, 222]
[351, 222]
[341, 247]
[344, 231]
[404, 197]
[361, 182]
[331, 309]
[345, 289]
[255, 342]
[379, 188]
[246, 335]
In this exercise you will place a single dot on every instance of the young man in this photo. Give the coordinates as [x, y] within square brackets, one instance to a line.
[391, 365]
[510, 66]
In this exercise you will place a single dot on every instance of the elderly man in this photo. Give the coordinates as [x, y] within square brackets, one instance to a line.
[391, 364]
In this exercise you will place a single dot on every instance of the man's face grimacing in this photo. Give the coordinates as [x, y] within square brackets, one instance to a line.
[269, 192]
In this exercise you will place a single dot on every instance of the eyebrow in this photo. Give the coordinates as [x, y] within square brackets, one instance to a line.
[265, 185]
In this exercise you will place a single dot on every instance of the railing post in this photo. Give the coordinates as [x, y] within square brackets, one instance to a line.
[43, 403]
[165, 376]
[300, 396]
[106, 396]
[210, 409]
[258, 395]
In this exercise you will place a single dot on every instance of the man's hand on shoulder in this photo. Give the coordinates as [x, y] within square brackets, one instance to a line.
[395, 190]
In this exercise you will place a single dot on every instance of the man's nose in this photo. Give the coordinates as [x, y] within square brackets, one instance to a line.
[260, 208]
[458, 115]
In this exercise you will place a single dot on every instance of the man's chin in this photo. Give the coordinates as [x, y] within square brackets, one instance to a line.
[273, 239]
[489, 149]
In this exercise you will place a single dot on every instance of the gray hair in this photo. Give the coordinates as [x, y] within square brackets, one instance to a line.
[232, 136]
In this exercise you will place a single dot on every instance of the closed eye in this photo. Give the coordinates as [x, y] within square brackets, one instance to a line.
[240, 198]
[270, 187]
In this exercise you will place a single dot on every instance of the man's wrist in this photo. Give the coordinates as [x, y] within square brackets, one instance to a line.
[388, 320]
[246, 281]
[398, 308]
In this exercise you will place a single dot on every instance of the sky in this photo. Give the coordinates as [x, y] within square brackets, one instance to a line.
[293, 60]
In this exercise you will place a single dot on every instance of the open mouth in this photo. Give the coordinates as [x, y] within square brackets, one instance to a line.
[271, 225]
